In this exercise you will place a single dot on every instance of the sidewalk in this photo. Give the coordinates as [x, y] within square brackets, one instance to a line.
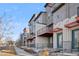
[21, 52]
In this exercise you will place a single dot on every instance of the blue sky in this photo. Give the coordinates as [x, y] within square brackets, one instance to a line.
[21, 14]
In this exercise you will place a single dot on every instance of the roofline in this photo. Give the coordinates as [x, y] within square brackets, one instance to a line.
[32, 17]
[45, 5]
[58, 7]
[39, 15]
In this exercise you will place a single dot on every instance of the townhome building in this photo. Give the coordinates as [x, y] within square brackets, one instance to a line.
[31, 34]
[22, 41]
[40, 20]
[65, 26]
[56, 28]
[38, 28]
[47, 30]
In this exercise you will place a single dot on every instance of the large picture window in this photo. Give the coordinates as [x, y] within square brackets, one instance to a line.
[75, 39]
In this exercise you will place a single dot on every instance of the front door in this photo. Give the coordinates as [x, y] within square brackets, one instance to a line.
[75, 39]
[59, 40]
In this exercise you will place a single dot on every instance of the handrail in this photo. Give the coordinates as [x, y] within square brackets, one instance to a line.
[30, 36]
[45, 30]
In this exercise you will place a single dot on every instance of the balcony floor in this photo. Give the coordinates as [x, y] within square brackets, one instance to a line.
[46, 34]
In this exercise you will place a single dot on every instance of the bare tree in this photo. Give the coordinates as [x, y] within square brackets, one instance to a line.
[1, 26]
[6, 27]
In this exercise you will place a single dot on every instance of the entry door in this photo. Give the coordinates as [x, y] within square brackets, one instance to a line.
[59, 40]
[75, 39]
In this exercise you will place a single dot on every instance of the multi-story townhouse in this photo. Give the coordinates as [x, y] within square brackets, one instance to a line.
[47, 30]
[58, 27]
[65, 26]
[59, 13]
[71, 28]
[23, 36]
[38, 28]
[31, 34]
[40, 21]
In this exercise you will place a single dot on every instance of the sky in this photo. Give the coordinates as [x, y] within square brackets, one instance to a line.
[20, 14]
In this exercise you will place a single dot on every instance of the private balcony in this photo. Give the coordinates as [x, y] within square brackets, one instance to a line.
[45, 31]
[30, 37]
[73, 24]
[57, 29]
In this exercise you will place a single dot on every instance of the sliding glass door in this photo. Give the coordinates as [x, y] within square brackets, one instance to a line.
[75, 39]
[59, 40]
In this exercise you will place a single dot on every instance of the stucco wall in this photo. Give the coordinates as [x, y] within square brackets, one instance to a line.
[54, 40]
[73, 9]
[41, 42]
[60, 14]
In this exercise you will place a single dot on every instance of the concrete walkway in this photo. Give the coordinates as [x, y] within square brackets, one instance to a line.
[21, 52]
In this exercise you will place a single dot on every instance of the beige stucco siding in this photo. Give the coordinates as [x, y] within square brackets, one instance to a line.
[60, 14]
[73, 9]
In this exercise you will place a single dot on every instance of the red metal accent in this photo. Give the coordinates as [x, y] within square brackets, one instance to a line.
[57, 29]
[73, 24]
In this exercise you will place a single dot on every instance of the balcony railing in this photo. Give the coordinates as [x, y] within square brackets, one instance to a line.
[68, 47]
[45, 31]
[29, 36]
[31, 45]
[40, 45]
[44, 45]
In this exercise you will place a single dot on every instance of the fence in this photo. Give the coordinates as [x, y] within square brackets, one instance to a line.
[44, 45]
[31, 45]
[41, 45]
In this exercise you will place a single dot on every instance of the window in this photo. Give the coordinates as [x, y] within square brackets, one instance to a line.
[75, 38]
